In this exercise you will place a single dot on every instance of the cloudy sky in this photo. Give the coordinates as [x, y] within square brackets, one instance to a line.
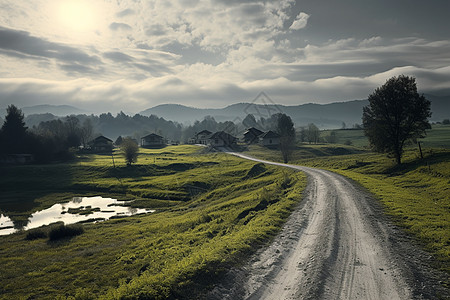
[131, 55]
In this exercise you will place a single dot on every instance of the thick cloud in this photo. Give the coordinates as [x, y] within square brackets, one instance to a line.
[190, 88]
[118, 56]
[119, 26]
[125, 13]
[300, 21]
[17, 42]
[213, 53]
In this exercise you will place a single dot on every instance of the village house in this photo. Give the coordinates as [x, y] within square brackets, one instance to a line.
[222, 139]
[101, 144]
[152, 141]
[251, 135]
[269, 139]
[202, 137]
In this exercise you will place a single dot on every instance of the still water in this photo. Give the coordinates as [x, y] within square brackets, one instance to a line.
[78, 210]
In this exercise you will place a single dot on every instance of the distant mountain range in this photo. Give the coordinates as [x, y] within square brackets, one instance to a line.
[323, 115]
[331, 115]
[56, 110]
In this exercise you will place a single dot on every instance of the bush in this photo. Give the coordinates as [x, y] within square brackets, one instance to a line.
[63, 231]
[34, 234]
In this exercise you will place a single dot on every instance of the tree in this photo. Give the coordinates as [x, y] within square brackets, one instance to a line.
[302, 134]
[332, 138]
[395, 115]
[118, 141]
[312, 133]
[13, 134]
[249, 121]
[86, 132]
[130, 150]
[285, 129]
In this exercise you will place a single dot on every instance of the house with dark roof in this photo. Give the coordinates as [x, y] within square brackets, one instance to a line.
[101, 144]
[202, 137]
[152, 141]
[251, 135]
[269, 139]
[222, 139]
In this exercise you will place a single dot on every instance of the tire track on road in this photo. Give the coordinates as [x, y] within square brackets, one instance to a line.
[338, 253]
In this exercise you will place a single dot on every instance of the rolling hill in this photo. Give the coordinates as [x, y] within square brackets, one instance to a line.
[325, 116]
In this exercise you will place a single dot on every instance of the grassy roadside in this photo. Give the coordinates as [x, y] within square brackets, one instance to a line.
[416, 194]
[214, 209]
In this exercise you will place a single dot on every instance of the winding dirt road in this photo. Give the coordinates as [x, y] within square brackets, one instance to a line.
[333, 246]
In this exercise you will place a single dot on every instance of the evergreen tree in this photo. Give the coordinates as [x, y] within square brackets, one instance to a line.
[13, 134]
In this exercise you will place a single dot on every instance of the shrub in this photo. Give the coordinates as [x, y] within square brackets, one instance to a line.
[62, 231]
[34, 234]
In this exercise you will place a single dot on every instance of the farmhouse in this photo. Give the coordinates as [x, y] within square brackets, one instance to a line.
[269, 139]
[221, 139]
[202, 137]
[251, 135]
[101, 144]
[152, 141]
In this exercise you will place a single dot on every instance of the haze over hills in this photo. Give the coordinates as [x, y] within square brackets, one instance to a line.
[55, 110]
[325, 116]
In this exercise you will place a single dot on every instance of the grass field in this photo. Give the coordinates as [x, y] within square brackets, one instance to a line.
[212, 210]
[416, 193]
[437, 137]
[354, 136]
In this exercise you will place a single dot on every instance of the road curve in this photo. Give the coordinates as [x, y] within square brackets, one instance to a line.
[332, 247]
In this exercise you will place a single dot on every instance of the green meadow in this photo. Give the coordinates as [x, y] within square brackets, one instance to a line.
[416, 194]
[212, 211]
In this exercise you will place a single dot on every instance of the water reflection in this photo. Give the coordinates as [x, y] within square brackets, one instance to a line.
[80, 209]
[6, 225]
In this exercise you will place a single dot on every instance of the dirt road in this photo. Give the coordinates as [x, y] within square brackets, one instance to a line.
[335, 245]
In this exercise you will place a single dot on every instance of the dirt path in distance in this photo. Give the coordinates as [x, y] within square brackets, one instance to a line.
[336, 245]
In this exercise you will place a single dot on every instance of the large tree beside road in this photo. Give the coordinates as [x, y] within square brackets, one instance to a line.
[285, 129]
[395, 115]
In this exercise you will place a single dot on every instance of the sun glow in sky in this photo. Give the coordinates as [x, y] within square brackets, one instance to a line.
[76, 15]
[135, 54]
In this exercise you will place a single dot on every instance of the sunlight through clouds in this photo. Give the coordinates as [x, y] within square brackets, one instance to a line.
[143, 53]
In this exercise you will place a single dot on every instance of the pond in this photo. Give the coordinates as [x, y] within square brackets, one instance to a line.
[80, 209]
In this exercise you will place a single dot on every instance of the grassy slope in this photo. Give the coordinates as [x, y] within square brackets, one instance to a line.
[437, 137]
[218, 212]
[417, 193]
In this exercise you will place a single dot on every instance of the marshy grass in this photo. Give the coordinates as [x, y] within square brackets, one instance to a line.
[212, 211]
[62, 231]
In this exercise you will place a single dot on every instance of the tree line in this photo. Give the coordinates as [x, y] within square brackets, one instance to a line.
[395, 116]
